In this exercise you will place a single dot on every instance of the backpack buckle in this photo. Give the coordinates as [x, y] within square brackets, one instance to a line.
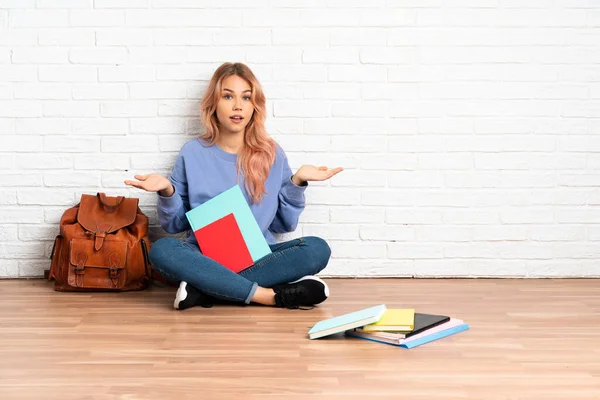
[114, 273]
[80, 258]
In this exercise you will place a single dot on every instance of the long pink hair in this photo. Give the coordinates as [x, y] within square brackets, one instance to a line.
[258, 153]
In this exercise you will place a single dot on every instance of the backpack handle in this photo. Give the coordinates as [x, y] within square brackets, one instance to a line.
[110, 203]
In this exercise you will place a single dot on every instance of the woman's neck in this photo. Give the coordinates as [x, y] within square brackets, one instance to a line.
[231, 142]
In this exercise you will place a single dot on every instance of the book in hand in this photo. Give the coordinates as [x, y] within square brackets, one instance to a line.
[446, 329]
[223, 242]
[227, 231]
[345, 322]
[394, 319]
[422, 322]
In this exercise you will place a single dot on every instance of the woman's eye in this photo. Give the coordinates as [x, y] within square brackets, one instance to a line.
[246, 98]
[227, 96]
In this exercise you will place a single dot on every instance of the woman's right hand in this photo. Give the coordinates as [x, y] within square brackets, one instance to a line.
[153, 183]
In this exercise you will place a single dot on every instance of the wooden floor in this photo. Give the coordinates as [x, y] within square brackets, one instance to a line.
[529, 339]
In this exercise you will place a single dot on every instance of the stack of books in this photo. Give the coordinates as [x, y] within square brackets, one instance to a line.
[400, 327]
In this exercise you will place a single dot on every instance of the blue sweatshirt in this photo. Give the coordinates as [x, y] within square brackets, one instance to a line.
[201, 172]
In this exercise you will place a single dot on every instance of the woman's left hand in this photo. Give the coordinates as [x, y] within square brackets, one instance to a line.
[311, 173]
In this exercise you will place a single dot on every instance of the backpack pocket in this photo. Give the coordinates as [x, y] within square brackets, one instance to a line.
[103, 269]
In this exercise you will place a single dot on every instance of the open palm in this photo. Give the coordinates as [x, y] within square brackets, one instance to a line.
[150, 183]
[313, 173]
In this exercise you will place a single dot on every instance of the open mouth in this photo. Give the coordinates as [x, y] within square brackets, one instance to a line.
[236, 118]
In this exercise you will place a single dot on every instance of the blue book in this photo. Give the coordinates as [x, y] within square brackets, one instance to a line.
[449, 328]
[435, 336]
[347, 321]
[231, 201]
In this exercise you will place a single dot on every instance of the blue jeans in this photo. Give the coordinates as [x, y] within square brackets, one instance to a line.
[181, 261]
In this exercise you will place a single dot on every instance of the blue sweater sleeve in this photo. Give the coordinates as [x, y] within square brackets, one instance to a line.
[171, 210]
[291, 202]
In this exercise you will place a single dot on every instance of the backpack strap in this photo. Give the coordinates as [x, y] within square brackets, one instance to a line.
[111, 204]
[101, 229]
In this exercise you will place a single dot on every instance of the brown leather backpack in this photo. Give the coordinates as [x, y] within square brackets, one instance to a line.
[102, 245]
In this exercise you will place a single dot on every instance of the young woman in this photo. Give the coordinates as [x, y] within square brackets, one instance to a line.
[237, 150]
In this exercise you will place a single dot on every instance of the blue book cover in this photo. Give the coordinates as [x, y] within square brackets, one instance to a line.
[435, 336]
[232, 201]
[347, 321]
[409, 344]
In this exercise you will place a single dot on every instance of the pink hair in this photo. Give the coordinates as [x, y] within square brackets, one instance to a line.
[258, 153]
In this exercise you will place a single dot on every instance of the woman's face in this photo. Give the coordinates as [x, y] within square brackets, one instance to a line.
[234, 109]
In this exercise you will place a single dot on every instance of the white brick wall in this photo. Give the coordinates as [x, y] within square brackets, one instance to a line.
[469, 129]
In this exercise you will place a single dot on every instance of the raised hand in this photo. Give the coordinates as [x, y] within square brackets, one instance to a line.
[313, 173]
[152, 183]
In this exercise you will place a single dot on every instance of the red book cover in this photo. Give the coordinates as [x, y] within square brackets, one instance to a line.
[222, 241]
